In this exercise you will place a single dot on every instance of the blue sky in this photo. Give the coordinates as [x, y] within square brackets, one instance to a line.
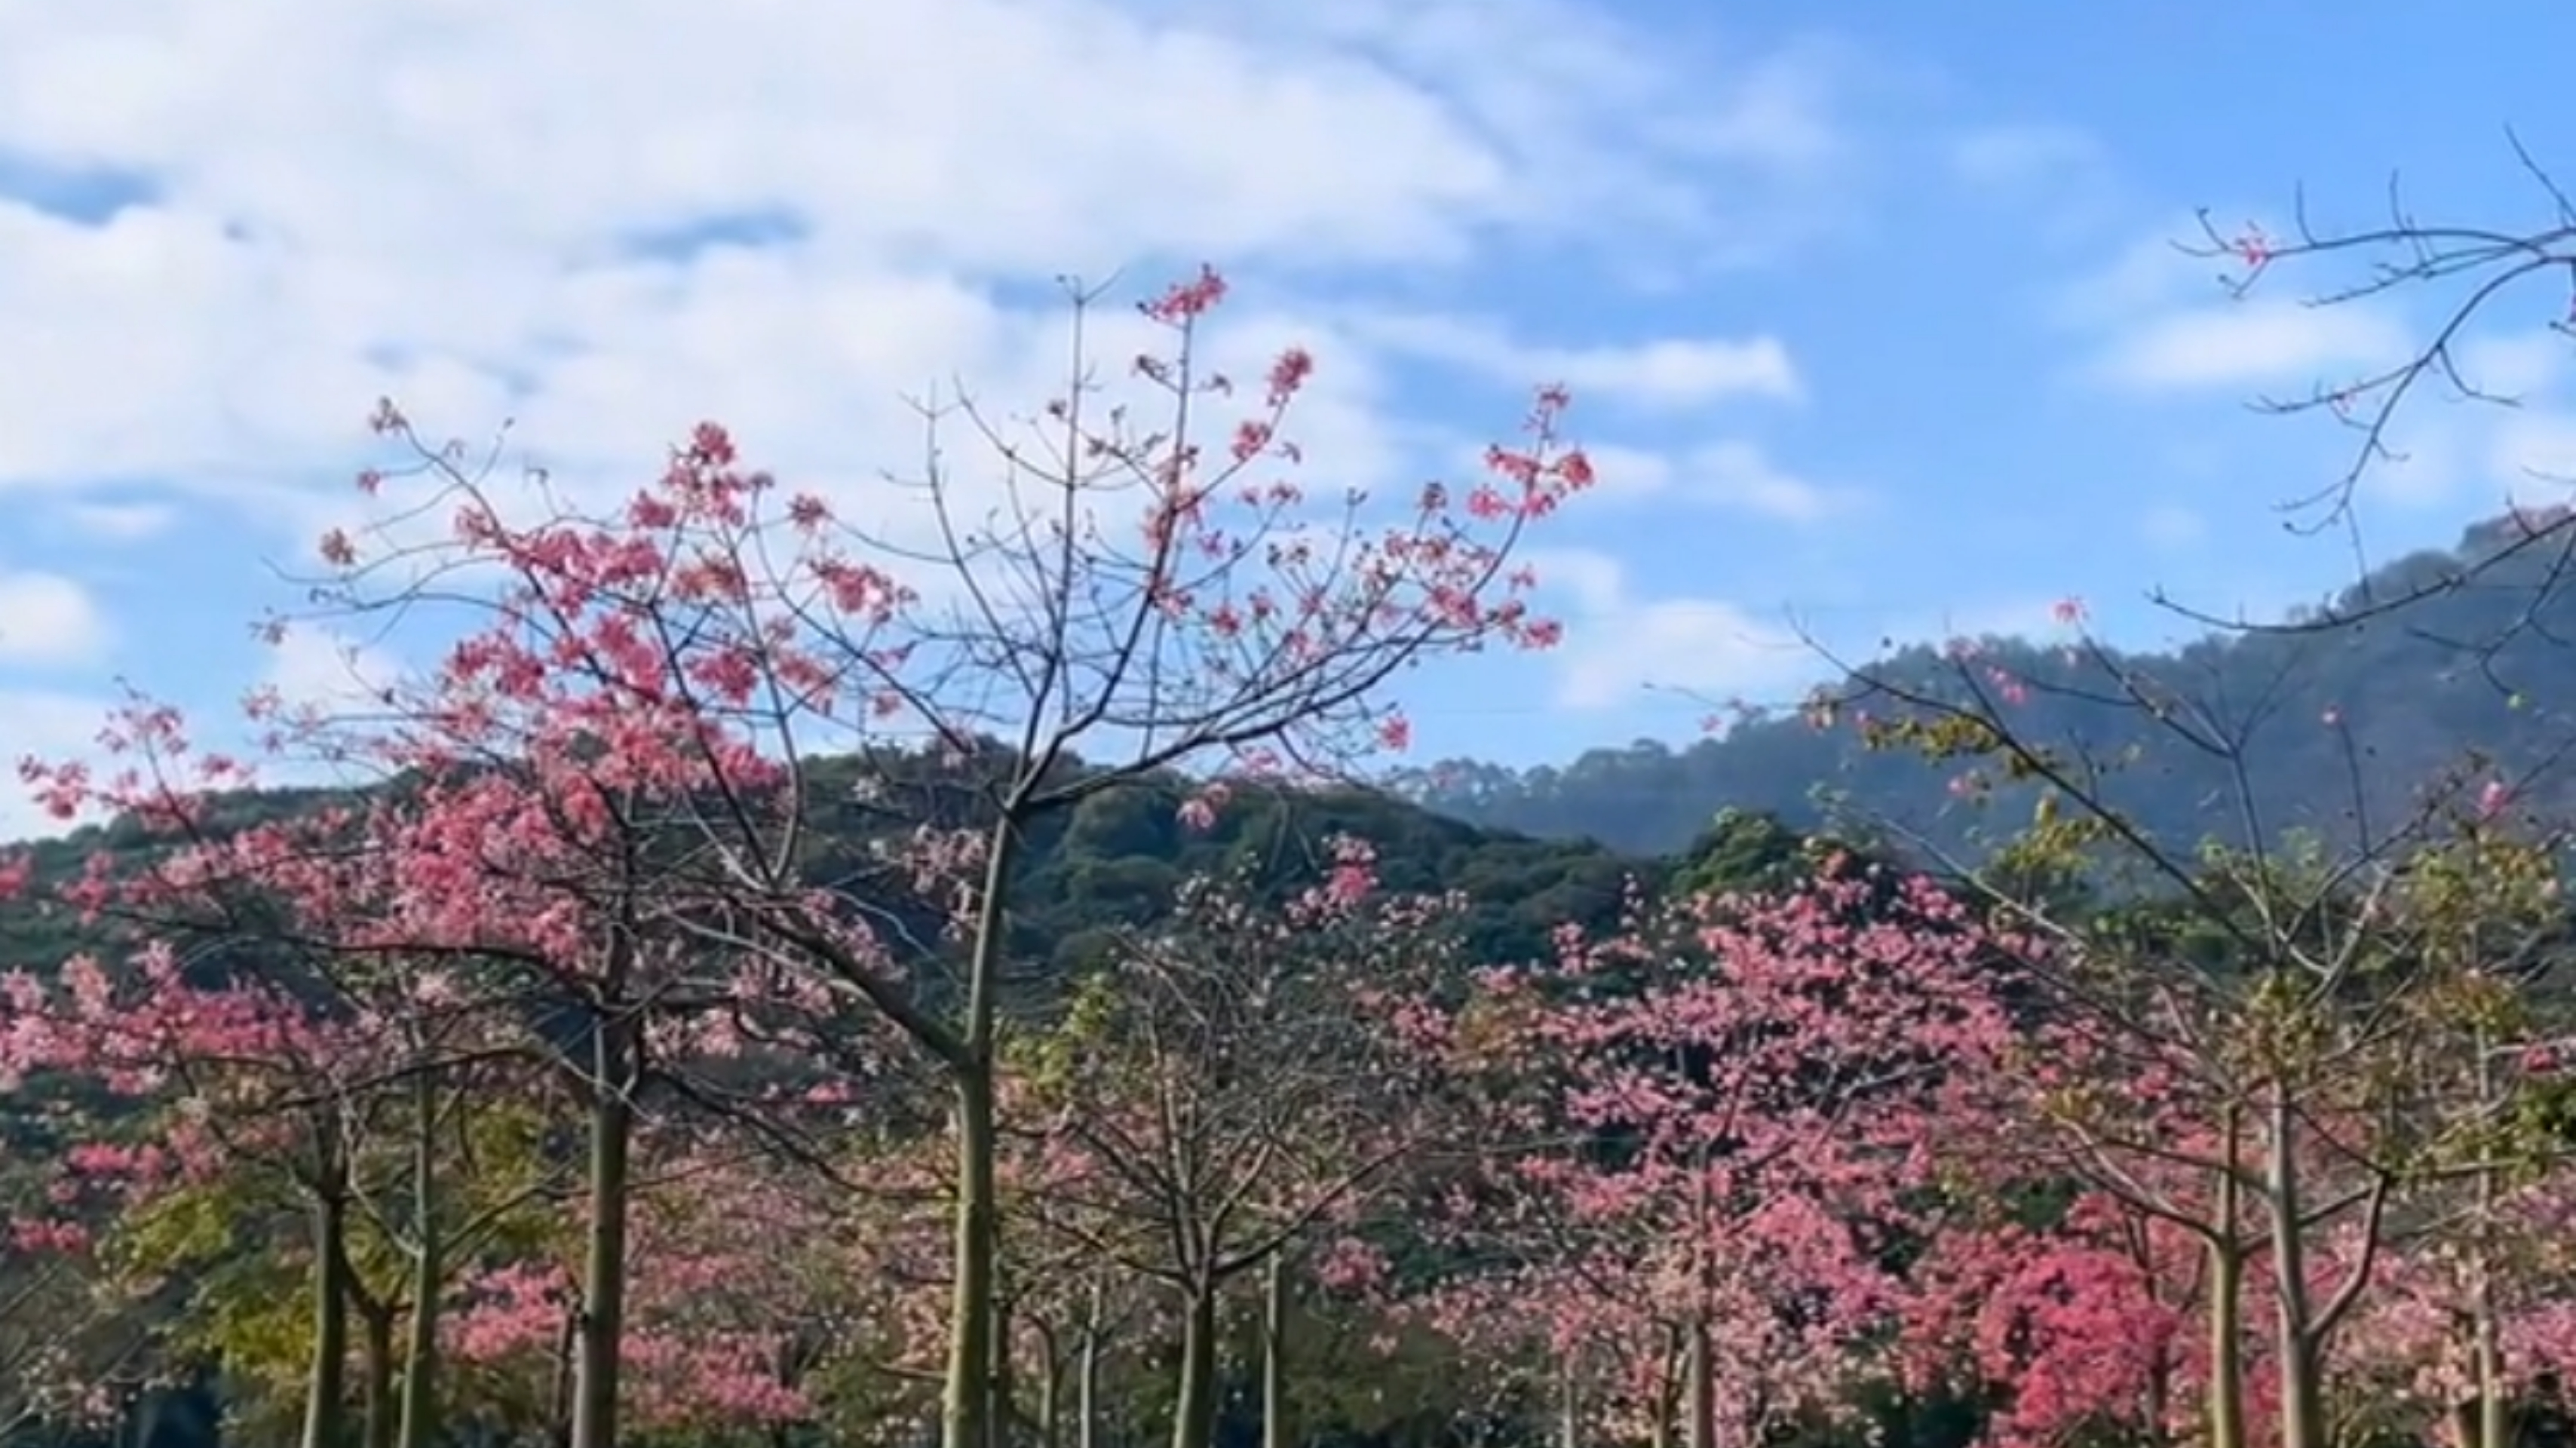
[1870, 308]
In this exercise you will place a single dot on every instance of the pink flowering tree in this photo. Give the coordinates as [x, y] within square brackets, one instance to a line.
[1142, 586]
[2457, 1307]
[1231, 1085]
[746, 1297]
[1754, 1088]
[73, 1341]
[2081, 1323]
[299, 1078]
[2236, 1036]
[500, 904]
[236, 1082]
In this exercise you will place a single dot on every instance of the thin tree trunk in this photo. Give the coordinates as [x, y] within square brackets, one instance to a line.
[1052, 1405]
[2494, 1427]
[1699, 1386]
[420, 1426]
[601, 1331]
[1005, 1384]
[966, 1409]
[1569, 1406]
[1667, 1398]
[1274, 1352]
[2226, 1345]
[1194, 1401]
[376, 1365]
[1087, 1381]
[560, 1395]
[2159, 1401]
[1050, 1388]
[2303, 1422]
[2227, 1291]
[326, 1389]
[966, 1418]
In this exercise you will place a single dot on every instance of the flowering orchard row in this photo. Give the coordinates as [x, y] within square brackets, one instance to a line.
[570, 1086]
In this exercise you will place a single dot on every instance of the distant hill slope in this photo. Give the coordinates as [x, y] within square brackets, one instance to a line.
[2410, 693]
[1112, 860]
[1537, 847]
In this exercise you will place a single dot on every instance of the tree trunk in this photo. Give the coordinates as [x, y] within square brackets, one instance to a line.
[1274, 1352]
[966, 1418]
[1668, 1392]
[2494, 1428]
[420, 1426]
[1005, 1410]
[1050, 1388]
[2159, 1402]
[2226, 1344]
[1194, 1402]
[966, 1409]
[1569, 1406]
[1087, 1382]
[2495, 1414]
[2227, 1291]
[1699, 1387]
[326, 1391]
[2298, 1362]
[559, 1388]
[376, 1367]
[601, 1329]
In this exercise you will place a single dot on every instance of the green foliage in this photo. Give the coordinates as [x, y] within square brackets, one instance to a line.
[1113, 860]
[226, 1255]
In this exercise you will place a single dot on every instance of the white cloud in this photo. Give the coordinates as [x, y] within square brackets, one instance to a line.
[2478, 456]
[2057, 182]
[2159, 318]
[2149, 277]
[1739, 475]
[1624, 475]
[2515, 367]
[121, 522]
[2171, 525]
[2534, 455]
[48, 619]
[1592, 582]
[2255, 342]
[346, 202]
[309, 666]
[1620, 644]
[316, 667]
[1665, 375]
[2018, 157]
[1729, 475]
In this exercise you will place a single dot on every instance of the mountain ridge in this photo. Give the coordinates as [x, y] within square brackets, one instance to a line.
[2395, 680]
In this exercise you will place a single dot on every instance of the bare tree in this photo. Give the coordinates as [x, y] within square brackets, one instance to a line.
[2482, 281]
[1236, 1081]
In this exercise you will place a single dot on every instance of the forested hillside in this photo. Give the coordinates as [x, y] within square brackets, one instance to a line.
[1112, 862]
[2480, 665]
